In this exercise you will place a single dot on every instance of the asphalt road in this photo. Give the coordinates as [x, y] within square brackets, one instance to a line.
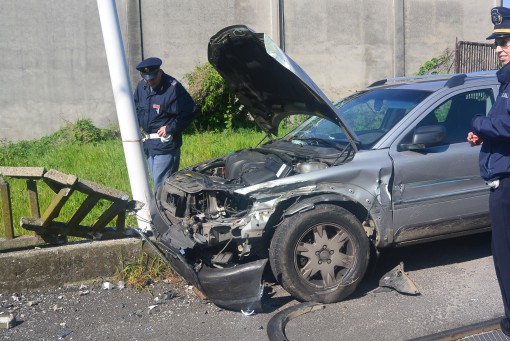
[456, 280]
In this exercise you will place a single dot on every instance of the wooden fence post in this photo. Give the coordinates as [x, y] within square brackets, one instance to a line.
[5, 198]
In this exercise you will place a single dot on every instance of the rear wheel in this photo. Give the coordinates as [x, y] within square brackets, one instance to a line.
[320, 255]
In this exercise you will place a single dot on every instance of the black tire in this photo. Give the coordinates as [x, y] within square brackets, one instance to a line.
[320, 255]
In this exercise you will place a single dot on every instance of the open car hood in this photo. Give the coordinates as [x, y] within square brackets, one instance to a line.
[267, 81]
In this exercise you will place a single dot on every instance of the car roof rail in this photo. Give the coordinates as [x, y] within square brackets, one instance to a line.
[404, 79]
[377, 83]
[456, 80]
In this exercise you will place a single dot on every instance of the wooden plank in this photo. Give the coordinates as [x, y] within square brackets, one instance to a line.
[120, 224]
[5, 198]
[56, 228]
[57, 180]
[33, 198]
[32, 223]
[23, 172]
[59, 228]
[109, 214]
[110, 233]
[86, 206]
[87, 187]
[56, 205]
[66, 180]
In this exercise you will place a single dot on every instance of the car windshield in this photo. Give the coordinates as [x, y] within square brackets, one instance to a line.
[369, 113]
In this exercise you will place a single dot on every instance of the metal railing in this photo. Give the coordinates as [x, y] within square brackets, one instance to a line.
[45, 226]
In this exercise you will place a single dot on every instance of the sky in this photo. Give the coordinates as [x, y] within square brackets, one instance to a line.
[506, 3]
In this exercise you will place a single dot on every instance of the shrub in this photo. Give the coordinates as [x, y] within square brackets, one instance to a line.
[84, 131]
[217, 106]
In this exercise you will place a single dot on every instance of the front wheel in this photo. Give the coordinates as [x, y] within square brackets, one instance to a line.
[320, 255]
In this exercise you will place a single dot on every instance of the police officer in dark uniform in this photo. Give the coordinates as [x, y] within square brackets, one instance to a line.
[493, 133]
[164, 110]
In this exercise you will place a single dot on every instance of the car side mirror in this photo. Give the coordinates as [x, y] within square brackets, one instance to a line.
[425, 137]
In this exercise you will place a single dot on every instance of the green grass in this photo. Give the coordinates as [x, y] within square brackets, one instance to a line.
[200, 147]
[98, 156]
[142, 272]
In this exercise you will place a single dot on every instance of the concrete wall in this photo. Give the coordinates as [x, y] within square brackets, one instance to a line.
[55, 69]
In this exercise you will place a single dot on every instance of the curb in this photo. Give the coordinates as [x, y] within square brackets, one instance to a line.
[64, 265]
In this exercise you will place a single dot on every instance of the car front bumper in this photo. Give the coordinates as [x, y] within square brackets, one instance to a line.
[237, 288]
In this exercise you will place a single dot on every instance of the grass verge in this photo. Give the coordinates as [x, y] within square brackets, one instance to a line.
[97, 155]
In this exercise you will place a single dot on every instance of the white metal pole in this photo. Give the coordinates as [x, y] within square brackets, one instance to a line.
[128, 123]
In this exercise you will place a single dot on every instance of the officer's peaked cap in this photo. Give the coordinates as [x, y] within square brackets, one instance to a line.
[149, 67]
[500, 17]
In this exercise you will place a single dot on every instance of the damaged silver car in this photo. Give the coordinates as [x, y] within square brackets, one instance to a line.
[384, 167]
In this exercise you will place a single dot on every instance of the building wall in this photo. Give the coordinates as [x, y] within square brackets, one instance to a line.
[55, 69]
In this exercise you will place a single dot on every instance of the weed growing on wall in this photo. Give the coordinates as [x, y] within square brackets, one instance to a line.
[438, 65]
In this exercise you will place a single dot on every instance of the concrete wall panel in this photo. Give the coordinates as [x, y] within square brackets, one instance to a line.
[433, 26]
[179, 31]
[354, 41]
[55, 69]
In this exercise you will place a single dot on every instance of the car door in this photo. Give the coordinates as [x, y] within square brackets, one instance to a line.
[438, 191]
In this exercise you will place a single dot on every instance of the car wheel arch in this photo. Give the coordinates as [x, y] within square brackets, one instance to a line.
[303, 204]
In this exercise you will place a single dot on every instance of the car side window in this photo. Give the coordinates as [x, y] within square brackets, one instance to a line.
[456, 114]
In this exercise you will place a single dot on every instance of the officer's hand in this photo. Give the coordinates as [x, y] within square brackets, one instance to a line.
[162, 131]
[473, 139]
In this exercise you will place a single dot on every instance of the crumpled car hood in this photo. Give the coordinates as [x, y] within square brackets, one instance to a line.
[267, 81]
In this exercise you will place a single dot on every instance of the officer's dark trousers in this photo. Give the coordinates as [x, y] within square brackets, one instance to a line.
[499, 205]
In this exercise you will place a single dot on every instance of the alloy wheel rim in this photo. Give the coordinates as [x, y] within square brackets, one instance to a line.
[324, 255]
